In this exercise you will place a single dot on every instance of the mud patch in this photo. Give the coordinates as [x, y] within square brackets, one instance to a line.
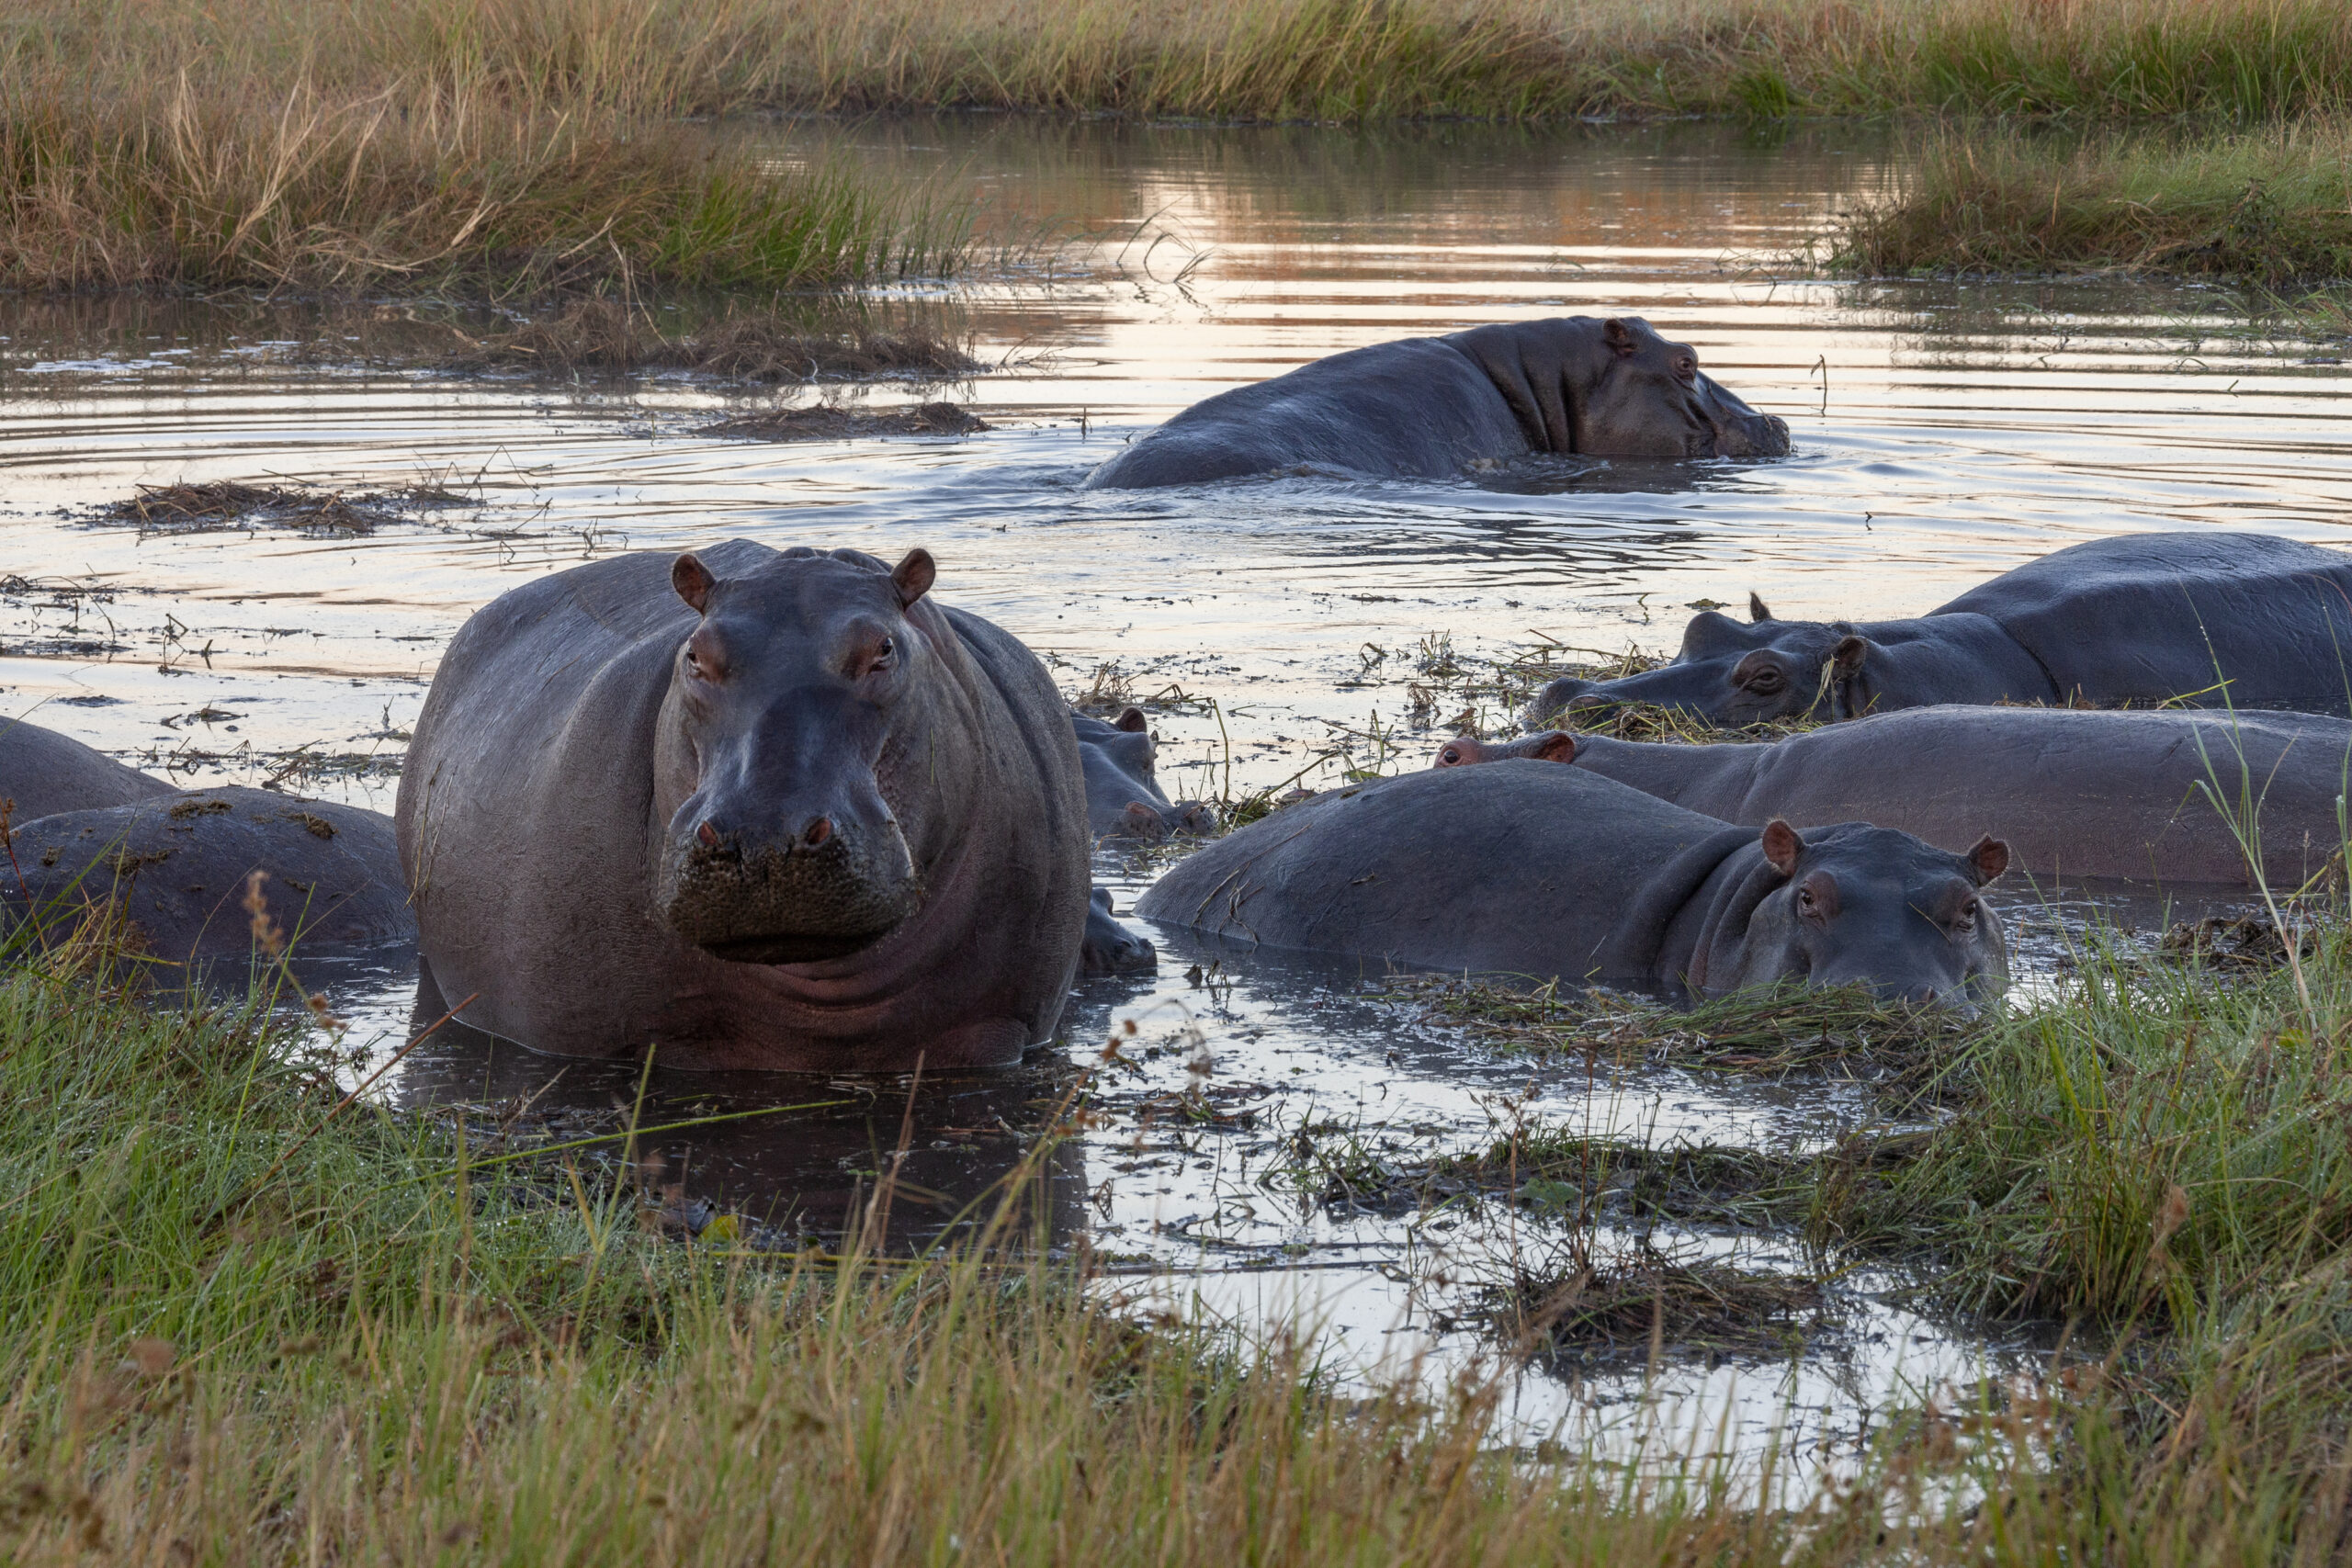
[226, 503]
[824, 424]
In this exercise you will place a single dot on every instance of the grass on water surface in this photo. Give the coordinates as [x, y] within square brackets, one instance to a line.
[2271, 207]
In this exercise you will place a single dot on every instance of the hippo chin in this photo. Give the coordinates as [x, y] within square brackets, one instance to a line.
[1124, 799]
[756, 809]
[2214, 620]
[1532, 869]
[1432, 407]
[2170, 797]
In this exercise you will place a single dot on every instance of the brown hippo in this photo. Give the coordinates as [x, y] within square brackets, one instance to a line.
[2162, 796]
[1532, 869]
[2214, 619]
[42, 772]
[177, 866]
[760, 808]
[1123, 794]
[1431, 407]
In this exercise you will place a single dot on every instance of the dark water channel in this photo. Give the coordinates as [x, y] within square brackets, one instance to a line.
[1944, 432]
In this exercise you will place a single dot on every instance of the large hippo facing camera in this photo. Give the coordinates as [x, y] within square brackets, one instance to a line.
[2166, 796]
[1433, 407]
[1532, 869]
[756, 809]
[2238, 620]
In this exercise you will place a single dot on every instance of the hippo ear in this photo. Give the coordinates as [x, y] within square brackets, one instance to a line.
[1757, 609]
[1988, 858]
[1848, 656]
[1555, 746]
[1131, 721]
[913, 577]
[694, 583]
[1780, 846]
[1620, 338]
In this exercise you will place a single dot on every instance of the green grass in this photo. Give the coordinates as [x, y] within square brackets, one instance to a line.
[2271, 207]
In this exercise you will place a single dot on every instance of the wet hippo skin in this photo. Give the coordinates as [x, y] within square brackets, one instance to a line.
[2140, 618]
[1431, 407]
[1110, 948]
[1529, 868]
[759, 808]
[2075, 792]
[176, 864]
[1124, 799]
[42, 772]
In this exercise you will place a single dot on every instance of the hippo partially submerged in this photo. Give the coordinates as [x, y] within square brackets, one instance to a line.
[1123, 796]
[42, 772]
[2238, 620]
[1532, 869]
[176, 866]
[759, 808]
[2164, 797]
[1432, 407]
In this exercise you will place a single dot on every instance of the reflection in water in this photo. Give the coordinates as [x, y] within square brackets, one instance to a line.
[1944, 432]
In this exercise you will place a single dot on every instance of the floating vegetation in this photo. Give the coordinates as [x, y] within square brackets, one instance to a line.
[824, 422]
[220, 504]
[1635, 1303]
[605, 333]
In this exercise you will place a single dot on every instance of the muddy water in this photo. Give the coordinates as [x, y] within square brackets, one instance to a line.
[1944, 432]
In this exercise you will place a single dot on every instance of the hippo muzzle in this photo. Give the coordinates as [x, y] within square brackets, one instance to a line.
[823, 893]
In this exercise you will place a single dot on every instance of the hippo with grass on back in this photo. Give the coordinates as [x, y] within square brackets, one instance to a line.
[1123, 796]
[2166, 796]
[1532, 869]
[1434, 407]
[758, 808]
[2214, 620]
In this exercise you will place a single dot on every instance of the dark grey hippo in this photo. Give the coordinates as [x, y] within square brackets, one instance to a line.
[1110, 948]
[761, 808]
[1432, 407]
[1123, 796]
[42, 772]
[1532, 869]
[2163, 796]
[2241, 620]
[176, 864]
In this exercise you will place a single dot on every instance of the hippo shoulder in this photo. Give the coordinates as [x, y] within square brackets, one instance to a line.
[2139, 563]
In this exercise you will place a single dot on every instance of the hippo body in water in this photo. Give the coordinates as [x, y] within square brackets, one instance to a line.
[759, 808]
[1124, 799]
[2073, 792]
[42, 772]
[1533, 869]
[1432, 407]
[2139, 618]
[177, 866]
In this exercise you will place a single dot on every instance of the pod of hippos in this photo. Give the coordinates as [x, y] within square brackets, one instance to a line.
[786, 809]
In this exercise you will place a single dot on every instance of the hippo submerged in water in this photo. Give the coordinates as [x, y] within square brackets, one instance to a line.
[1529, 868]
[2073, 792]
[176, 864]
[761, 809]
[2241, 620]
[1432, 407]
[1123, 796]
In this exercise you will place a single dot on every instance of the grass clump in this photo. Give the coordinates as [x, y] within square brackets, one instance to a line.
[2269, 207]
[213, 505]
[1641, 1304]
[608, 334]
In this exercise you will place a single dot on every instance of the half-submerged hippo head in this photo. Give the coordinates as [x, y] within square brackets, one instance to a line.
[1123, 763]
[1652, 400]
[1858, 905]
[1547, 746]
[784, 701]
[1728, 673]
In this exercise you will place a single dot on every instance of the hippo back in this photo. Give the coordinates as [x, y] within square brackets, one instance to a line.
[1519, 868]
[42, 772]
[2144, 617]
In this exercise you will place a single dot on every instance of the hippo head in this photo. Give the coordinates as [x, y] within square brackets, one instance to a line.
[1126, 741]
[1858, 905]
[1548, 746]
[1728, 674]
[1108, 947]
[783, 703]
[1652, 400]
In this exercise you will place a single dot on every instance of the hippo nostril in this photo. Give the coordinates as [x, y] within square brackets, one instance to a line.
[707, 836]
[1585, 702]
[817, 833]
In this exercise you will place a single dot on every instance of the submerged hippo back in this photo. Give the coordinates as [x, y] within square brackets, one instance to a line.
[42, 772]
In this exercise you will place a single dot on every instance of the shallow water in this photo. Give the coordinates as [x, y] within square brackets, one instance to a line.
[1944, 432]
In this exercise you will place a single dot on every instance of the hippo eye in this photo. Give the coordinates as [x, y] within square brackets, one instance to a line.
[1767, 681]
[694, 665]
[882, 655]
[1686, 368]
[1805, 901]
[1449, 756]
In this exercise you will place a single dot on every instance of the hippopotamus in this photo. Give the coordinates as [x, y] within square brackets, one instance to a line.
[2237, 620]
[178, 866]
[1530, 868]
[1432, 407]
[752, 808]
[2166, 796]
[42, 772]
[1122, 794]
[1110, 948]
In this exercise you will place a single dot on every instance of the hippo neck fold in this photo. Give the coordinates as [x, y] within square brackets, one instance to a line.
[1711, 780]
[1546, 395]
[1655, 937]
